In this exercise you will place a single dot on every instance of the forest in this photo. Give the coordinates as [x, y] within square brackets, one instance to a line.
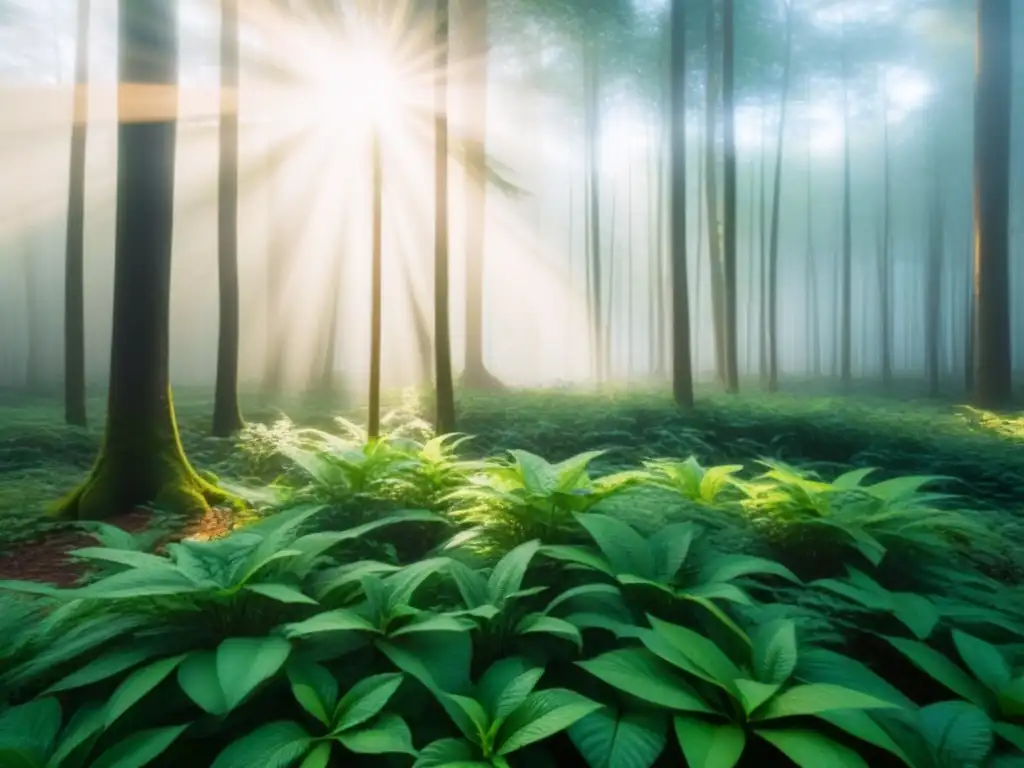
[556, 383]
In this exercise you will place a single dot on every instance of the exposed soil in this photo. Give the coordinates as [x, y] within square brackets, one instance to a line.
[47, 561]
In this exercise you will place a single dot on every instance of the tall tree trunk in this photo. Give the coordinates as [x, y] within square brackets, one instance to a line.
[35, 377]
[141, 460]
[773, 252]
[444, 416]
[682, 367]
[475, 14]
[698, 291]
[813, 315]
[762, 293]
[992, 115]
[713, 62]
[227, 416]
[376, 284]
[74, 253]
[933, 281]
[732, 379]
[885, 252]
[968, 320]
[592, 140]
[845, 308]
[630, 272]
[326, 378]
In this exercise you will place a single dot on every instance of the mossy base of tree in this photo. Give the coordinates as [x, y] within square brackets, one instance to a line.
[481, 380]
[163, 480]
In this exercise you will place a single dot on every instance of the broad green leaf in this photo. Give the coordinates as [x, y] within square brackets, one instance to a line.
[543, 714]
[506, 684]
[365, 700]
[815, 698]
[818, 665]
[314, 687]
[137, 583]
[341, 620]
[606, 594]
[273, 745]
[28, 731]
[724, 568]
[809, 749]
[243, 663]
[507, 576]
[320, 757]
[468, 714]
[861, 725]
[388, 734]
[402, 585]
[753, 694]
[538, 476]
[471, 584]
[700, 651]
[709, 745]
[1011, 698]
[622, 546]
[985, 661]
[640, 673]
[139, 749]
[538, 623]
[1014, 734]
[281, 593]
[134, 687]
[610, 739]
[774, 651]
[670, 546]
[449, 753]
[941, 669]
[104, 667]
[85, 725]
[197, 676]
[916, 612]
[958, 731]
[430, 624]
[585, 556]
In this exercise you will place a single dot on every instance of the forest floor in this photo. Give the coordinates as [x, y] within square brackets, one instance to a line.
[41, 458]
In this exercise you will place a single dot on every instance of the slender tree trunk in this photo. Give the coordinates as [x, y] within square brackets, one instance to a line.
[376, 285]
[477, 23]
[682, 372]
[327, 383]
[141, 460]
[444, 416]
[593, 141]
[933, 282]
[631, 271]
[992, 148]
[762, 294]
[698, 291]
[773, 254]
[35, 377]
[74, 254]
[713, 63]
[227, 416]
[732, 379]
[845, 308]
[885, 253]
[813, 314]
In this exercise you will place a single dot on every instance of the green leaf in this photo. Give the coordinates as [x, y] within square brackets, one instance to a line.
[320, 757]
[137, 583]
[640, 673]
[815, 698]
[709, 745]
[1011, 698]
[365, 700]
[471, 584]
[243, 663]
[388, 734]
[28, 731]
[427, 623]
[669, 547]
[809, 749]
[468, 714]
[861, 725]
[273, 745]
[134, 687]
[197, 676]
[139, 749]
[817, 665]
[281, 593]
[726, 568]
[610, 739]
[701, 653]
[958, 731]
[85, 726]
[341, 620]
[774, 651]
[103, 667]
[916, 612]
[449, 753]
[1014, 734]
[507, 576]
[539, 477]
[622, 546]
[985, 661]
[753, 694]
[314, 687]
[538, 623]
[941, 669]
[585, 556]
[543, 714]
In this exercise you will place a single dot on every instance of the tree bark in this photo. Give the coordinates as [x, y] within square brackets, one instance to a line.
[376, 285]
[682, 366]
[74, 253]
[732, 379]
[227, 415]
[141, 461]
[845, 307]
[711, 192]
[444, 416]
[992, 112]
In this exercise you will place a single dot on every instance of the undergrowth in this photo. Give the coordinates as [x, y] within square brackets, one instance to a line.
[612, 585]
